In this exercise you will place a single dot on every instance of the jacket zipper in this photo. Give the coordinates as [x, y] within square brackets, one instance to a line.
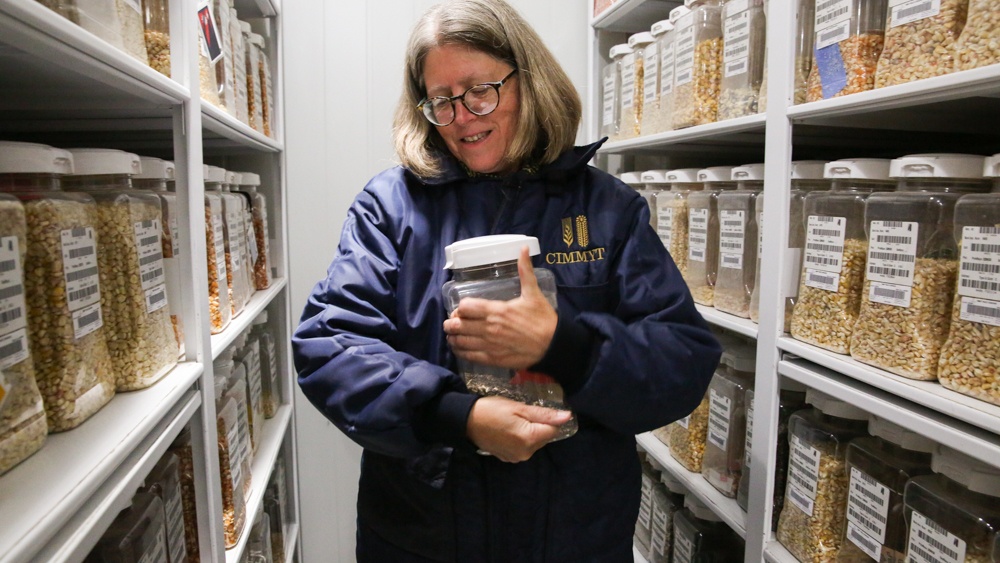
[507, 197]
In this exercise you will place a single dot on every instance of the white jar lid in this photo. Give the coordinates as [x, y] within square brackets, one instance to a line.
[631, 178]
[661, 27]
[233, 178]
[655, 177]
[700, 510]
[249, 179]
[214, 174]
[490, 249]
[902, 437]
[33, 158]
[742, 357]
[155, 169]
[640, 39]
[937, 166]
[620, 50]
[102, 162]
[834, 407]
[749, 172]
[858, 168]
[974, 474]
[683, 176]
[223, 367]
[244, 27]
[673, 483]
[261, 318]
[716, 174]
[257, 40]
[807, 169]
[991, 166]
[678, 13]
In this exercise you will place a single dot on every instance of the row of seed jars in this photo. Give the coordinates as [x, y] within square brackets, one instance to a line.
[139, 28]
[662, 501]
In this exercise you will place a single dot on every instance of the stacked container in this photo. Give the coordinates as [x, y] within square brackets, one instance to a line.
[632, 83]
[225, 75]
[259, 244]
[231, 453]
[255, 95]
[181, 447]
[220, 310]
[208, 59]
[668, 498]
[156, 25]
[270, 382]
[644, 184]
[727, 419]
[650, 476]
[611, 77]
[743, 57]
[659, 87]
[239, 66]
[703, 232]
[849, 38]
[698, 69]
[237, 260]
[164, 482]
[266, 86]
[738, 241]
[919, 40]
[672, 214]
[701, 535]
[977, 45]
[138, 533]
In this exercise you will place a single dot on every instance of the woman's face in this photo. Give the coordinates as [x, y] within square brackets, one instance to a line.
[478, 141]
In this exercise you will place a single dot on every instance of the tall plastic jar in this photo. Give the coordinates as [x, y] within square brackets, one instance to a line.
[225, 76]
[270, 382]
[738, 241]
[239, 66]
[919, 40]
[249, 356]
[266, 87]
[220, 311]
[816, 498]
[634, 180]
[230, 464]
[611, 76]
[230, 379]
[138, 533]
[744, 30]
[255, 100]
[208, 33]
[805, 38]
[668, 499]
[486, 267]
[703, 232]
[977, 45]
[912, 263]
[849, 38]
[689, 434]
[724, 446]
[66, 333]
[99, 18]
[807, 177]
[238, 265]
[698, 67]
[701, 535]
[879, 467]
[156, 26]
[181, 447]
[633, 83]
[672, 213]
[260, 246]
[164, 482]
[140, 336]
[654, 185]
[833, 264]
[659, 72]
[131, 21]
[953, 515]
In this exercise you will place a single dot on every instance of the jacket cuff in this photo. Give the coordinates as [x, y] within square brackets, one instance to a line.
[443, 419]
[569, 355]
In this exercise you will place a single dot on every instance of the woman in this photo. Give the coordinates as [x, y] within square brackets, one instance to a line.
[485, 131]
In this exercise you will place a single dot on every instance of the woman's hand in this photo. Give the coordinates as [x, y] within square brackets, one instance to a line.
[510, 430]
[513, 334]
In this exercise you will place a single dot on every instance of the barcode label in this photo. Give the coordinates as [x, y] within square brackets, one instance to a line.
[697, 234]
[902, 12]
[749, 432]
[868, 504]
[156, 298]
[81, 252]
[837, 32]
[667, 69]
[232, 443]
[890, 294]
[803, 467]
[664, 222]
[825, 243]
[822, 280]
[219, 242]
[979, 274]
[864, 542]
[930, 543]
[736, 38]
[174, 511]
[608, 113]
[13, 348]
[83, 293]
[892, 251]
[731, 261]
[80, 267]
[719, 414]
[799, 498]
[732, 235]
[651, 57]
[12, 304]
[660, 528]
[628, 83]
[683, 545]
[646, 501]
[234, 226]
[87, 320]
[685, 50]
[981, 311]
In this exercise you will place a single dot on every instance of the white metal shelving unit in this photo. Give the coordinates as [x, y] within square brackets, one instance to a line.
[952, 113]
[62, 86]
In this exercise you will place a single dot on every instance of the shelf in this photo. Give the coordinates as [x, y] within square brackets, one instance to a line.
[237, 326]
[633, 15]
[774, 552]
[929, 394]
[291, 542]
[226, 134]
[726, 508]
[746, 327]
[46, 491]
[737, 141]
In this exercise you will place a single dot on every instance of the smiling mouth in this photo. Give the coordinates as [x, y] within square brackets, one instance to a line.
[476, 137]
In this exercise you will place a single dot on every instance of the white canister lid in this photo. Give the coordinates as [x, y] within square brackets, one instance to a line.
[261, 318]
[673, 483]
[683, 176]
[902, 437]
[654, 177]
[620, 50]
[741, 357]
[103, 162]
[808, 169]
[33, 158]
[223, 367]
[249, 179]
[716, 174]
[678, 13]
[970, 472]
[233, 178]
[749, 172]
[490, 249]
[991, 166]
[834, 407]
[700, 509]
[155, 169]
[661, 27]
[631, 178]
[858, 168]
[214, 174]
[937, 166]
[640, 39]
[244, 27]
[257, 40]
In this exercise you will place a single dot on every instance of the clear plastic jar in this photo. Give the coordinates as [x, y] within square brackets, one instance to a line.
[278, 488]
[807, 177]
[136, 534]
[230, 467]
[209, 55]
[266, 89]
[237, 259]
[672, 214]
[270, 382]
[738, 241]
[700, 535]
[698, 64]
[220, 311]
[259, 244]
[66, 333]
[225, 76]
[688, 436]
[181, 447]
[164, 482]
[633, 83]
[249, 356]
[879, 467]
[486, 268]
[259, 545]
[99, 18]
[255, 100]
[724, 446]
[130, 18]
[276, 517]
[912, 264]
[156, 26]
[953, 515]
[654, 183]
[239, 66]
[658, 90]
[978, 44]
[668, 499]
[919, 40]
[650, 476]
[805, 39]
[611, 76]
[833, 265]
[634, 180]
[230, 384]
[816, 498]
[849, 38]
[743, 57]
[140, 336]
[703, 232]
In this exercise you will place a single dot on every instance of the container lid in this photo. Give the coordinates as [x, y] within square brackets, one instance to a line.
[742, 357]
[244, 27]
[261, 318]
[937, 166]
[631, 178]
[655, 177]
[661, 27]
[640, 39]
[490, 249]
[33, 158]
[991, 166]
[858, 168]
[214, 174]
[223, 366]
[257, 40]
[100, 162]
[233, 178]
[749, 172]
[683, 175]
[834, 407]
[786, 384]
[902, 437]
[807, 169]
[673, 483]
[716, 174]
[620, 50]
[155, 169]
[249, 179]
[974, 474]
[700, 510]
[678, 13]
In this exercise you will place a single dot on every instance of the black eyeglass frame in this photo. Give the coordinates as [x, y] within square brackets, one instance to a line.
[452, 99]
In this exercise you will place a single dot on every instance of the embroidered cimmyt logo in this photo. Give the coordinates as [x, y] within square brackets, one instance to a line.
[575, 228]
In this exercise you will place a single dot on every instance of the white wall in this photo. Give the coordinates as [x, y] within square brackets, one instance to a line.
[343, 69]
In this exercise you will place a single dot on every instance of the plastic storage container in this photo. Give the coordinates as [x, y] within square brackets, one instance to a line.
[744, 30]
[688, 436]
[234, 208]
[259, 545]
[164, 482]
[650, 476]
[220, 311]
[276, 517]
[700, 536]
[642, 187]
[225, 75]
[978, 44]
[879, 467]
[698, 64]
[249, 356]
[181, 447]
[953, 515]
[919, 40]
[140, 336]
[654, 183]
[209, 55]
[807, 177]
[266, 89]
[672, 214]
[833, 265]
[156, 30]
[805, 39]
[239, 66]
[849, 38]
[658, 91]
[816, 498]
[738, 241]
[99, 18]
[260, 246]
[724, 445]
[703, 232]
[66, 333]
[668, 498]
[912, 264]
[255, 99]
[270, 382]
[131, 19]
[611, 76]
[230, 463]
[486, 267]
[233, 376]
[137, 534]
[633, 83]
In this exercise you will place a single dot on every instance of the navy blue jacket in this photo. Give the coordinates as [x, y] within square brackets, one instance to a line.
[630, 350]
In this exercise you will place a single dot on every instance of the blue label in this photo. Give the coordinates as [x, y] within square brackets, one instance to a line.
[832, 75]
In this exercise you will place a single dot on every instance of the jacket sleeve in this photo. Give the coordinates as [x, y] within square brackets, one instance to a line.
[383, 399]
[651, 358]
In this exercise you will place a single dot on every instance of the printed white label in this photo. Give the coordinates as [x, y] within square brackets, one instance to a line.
[902, 12]
[825, 243]
[979, 275]
[646, 501]
[760, 233]
[87, 320]
[272, 362]
[890, 294]
[175, 237]
[667, 69]
[684, 422]
[683, 546]
[628, 81]
[664, 222]
[892, 254]
[219, 242]
[79, 254]
[684, 55]
[868, 504]
[245, 448]
[175, 524]
[156, 552]
[736, 38]
[749, 434]
[719, 414]
[803, 474]
[660, 527]
[981, 311]
[156, 298]
[833, 22]
[13, 348]
[697, 234]
[233, 443]
[863, 541]
[149, 250]
[234, 225]
[608, 108]
[930, 543]
[12, 307]
[732, 232]
[253, 251]
[651, 73]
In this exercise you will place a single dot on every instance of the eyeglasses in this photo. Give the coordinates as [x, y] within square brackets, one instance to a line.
[481, 99]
